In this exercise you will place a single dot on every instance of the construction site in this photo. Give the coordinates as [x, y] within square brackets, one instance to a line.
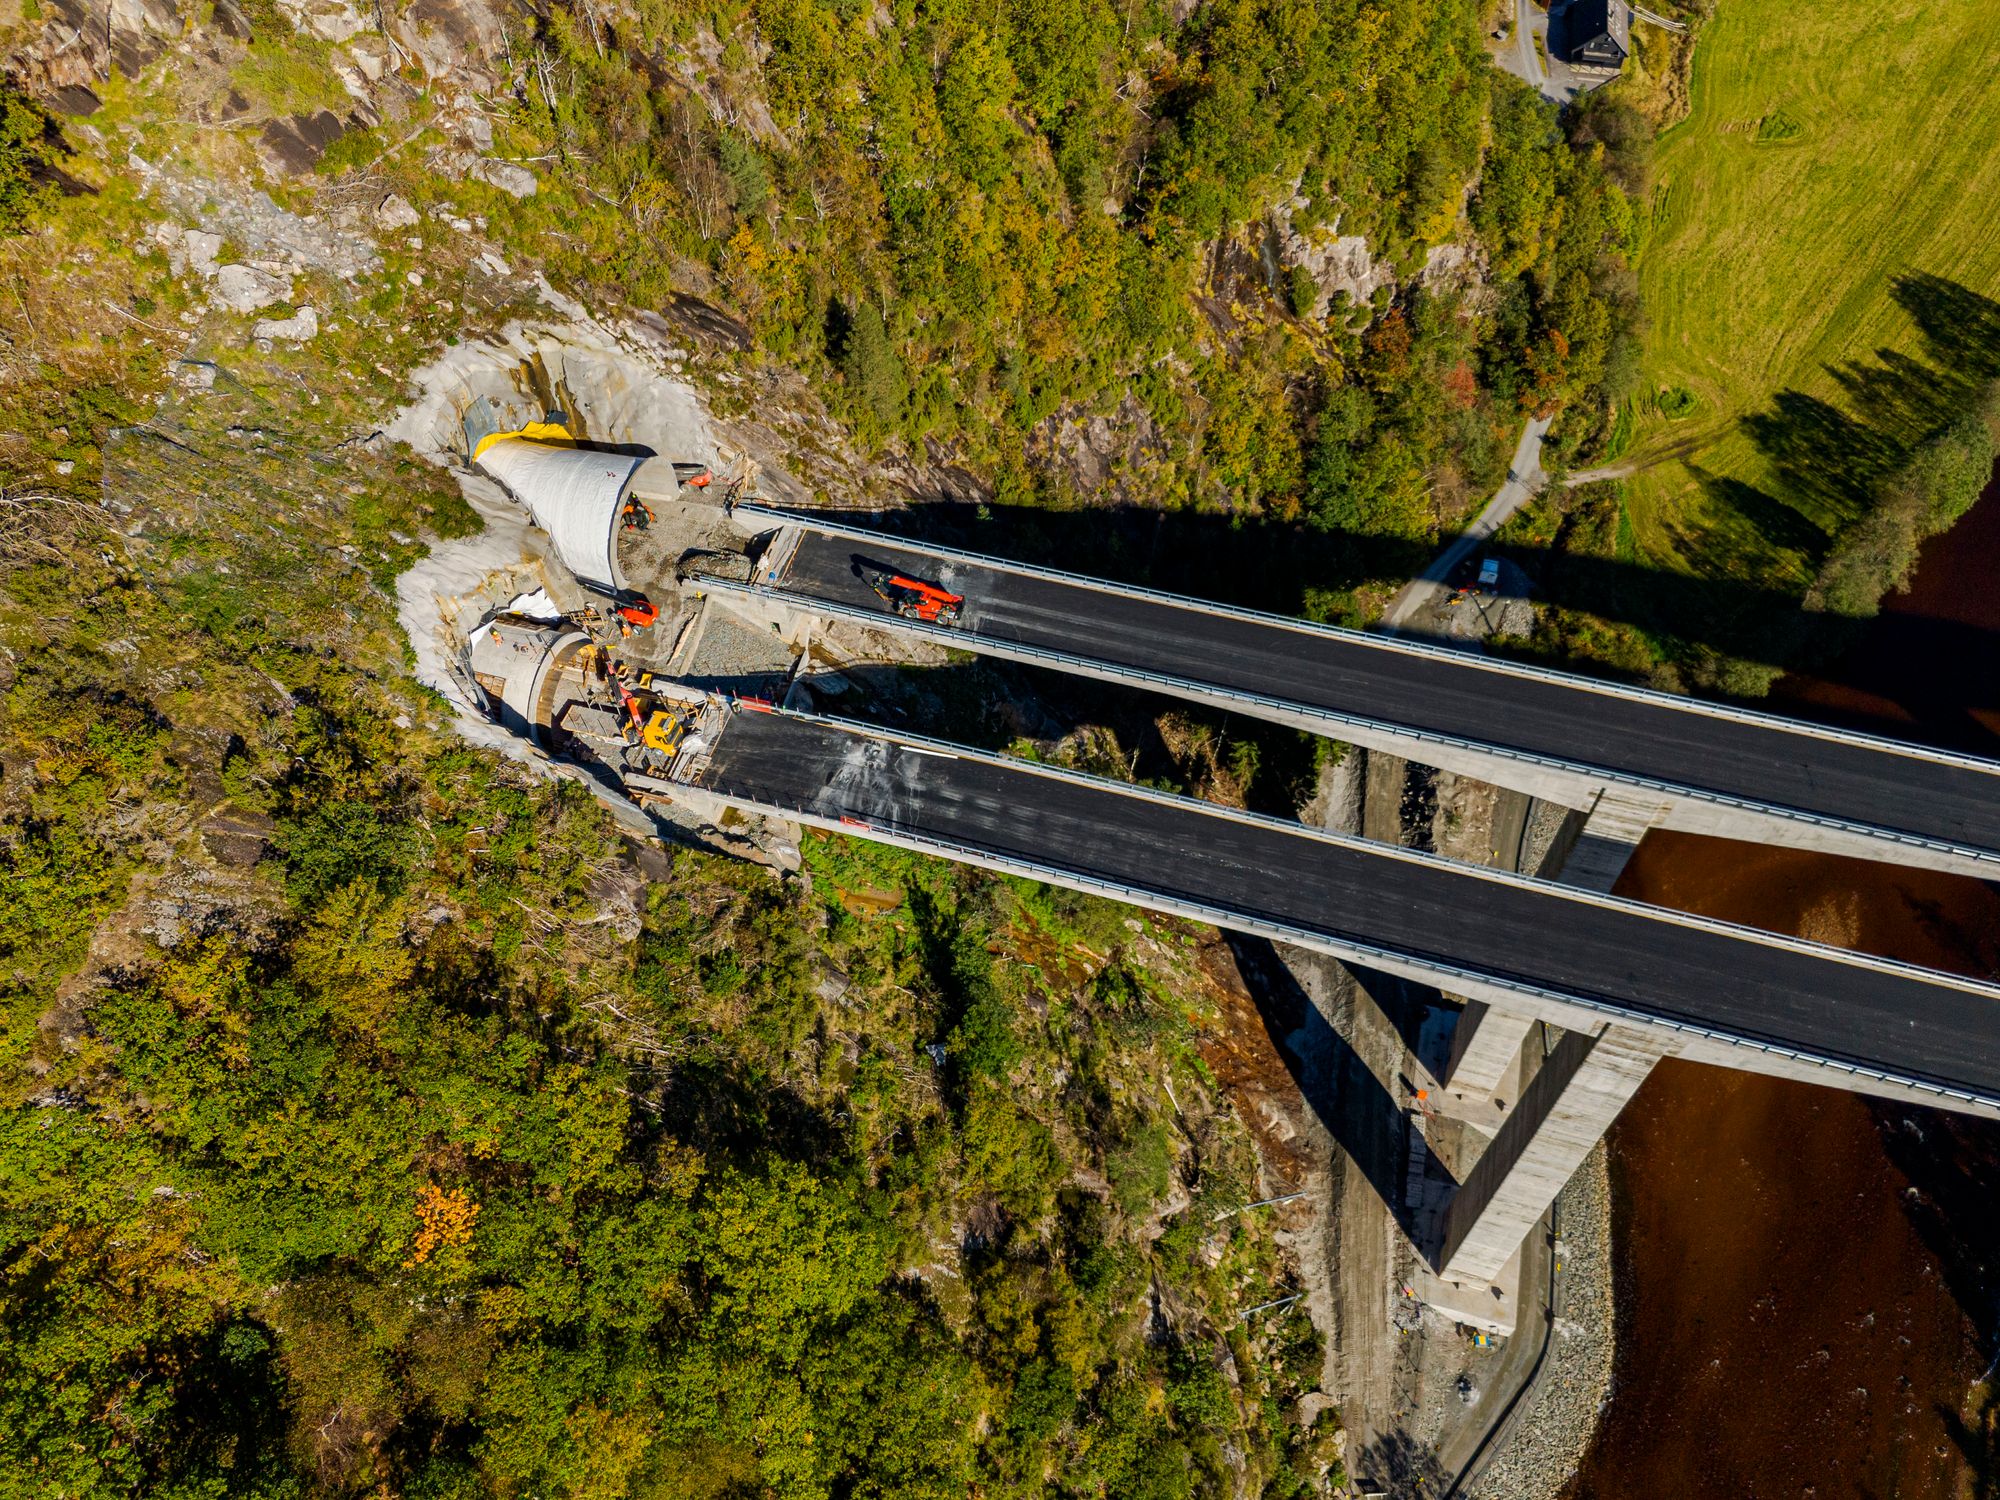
[605, 658]
[606, 625]
[727, 671]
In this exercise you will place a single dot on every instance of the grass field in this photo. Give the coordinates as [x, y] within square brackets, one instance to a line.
[1831, 148]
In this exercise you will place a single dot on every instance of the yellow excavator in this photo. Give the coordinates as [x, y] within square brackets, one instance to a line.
[659, 730]
[663, 732]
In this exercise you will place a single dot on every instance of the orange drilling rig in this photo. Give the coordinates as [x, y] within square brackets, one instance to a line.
[914, 599]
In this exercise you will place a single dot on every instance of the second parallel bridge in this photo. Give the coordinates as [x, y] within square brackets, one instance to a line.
[1726, 993]
[1943, 809]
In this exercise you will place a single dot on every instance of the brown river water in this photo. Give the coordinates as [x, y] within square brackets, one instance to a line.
[1807, 1280]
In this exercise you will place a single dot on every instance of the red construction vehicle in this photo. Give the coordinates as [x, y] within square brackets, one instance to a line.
[914, 599]
[639, 612]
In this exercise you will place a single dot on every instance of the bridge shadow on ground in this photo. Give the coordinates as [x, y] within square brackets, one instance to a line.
[1830, 461]
[1297, 571]
[1831, 464]
[993, 705]
[1361, 1108]
[1400, 1466]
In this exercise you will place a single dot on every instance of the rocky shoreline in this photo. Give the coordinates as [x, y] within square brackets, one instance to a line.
[1549, 1435]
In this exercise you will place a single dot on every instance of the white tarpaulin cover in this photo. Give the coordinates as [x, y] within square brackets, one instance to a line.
[573, 494]
[534, 606]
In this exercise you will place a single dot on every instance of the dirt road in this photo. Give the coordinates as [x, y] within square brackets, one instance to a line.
[1524, 478]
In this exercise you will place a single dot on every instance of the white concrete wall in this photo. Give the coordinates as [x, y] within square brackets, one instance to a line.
[1562, 1114]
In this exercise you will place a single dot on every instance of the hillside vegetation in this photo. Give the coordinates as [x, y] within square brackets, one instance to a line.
[982, 226]
[373, 1120]
[1829, 151]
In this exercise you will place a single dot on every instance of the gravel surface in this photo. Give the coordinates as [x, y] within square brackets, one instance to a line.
[733, 657]
[1545, 823]
[1550, 1434]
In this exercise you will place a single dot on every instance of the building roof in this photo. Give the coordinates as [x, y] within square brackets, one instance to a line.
[1589, 25]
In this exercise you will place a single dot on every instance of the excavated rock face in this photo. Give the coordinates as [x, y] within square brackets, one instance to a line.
[1337, 262]
[457, 44]
[294, 145]
[1100, 454]
[329, 20]
[80, 43]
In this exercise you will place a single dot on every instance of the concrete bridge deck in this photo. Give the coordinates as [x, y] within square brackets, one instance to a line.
[1702, 989]
[1705, 767]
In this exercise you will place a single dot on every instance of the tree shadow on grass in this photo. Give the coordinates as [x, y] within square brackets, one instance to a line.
[1960, 327]
[1830, 460]
[1827, 462]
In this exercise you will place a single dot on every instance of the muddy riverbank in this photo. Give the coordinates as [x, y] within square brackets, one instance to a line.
[1806, 1279]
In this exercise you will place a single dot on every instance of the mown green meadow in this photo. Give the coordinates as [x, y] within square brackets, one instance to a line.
[1832, 152]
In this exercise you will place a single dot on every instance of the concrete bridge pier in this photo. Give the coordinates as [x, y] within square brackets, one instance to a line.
[1566, 1107]
[1484, 1050]
[1617, 820]
[1488, 1040]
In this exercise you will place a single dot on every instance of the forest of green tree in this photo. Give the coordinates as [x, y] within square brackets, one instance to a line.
[974, 220]
[385, 1161]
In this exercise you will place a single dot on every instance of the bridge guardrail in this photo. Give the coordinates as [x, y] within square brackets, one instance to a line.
[1376, 849]
[813, 522]
[1187, 686]
[1216, 914]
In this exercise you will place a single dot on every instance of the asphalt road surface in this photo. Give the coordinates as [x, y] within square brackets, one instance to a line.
[1765, 761]
[1429, 909]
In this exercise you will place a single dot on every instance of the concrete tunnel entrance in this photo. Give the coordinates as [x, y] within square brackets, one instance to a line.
[575, 495]
[582, 496]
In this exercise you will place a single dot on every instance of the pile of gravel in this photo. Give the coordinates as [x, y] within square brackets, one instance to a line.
[1550, 1433]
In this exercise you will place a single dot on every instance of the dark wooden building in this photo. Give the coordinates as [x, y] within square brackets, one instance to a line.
[1597, 33]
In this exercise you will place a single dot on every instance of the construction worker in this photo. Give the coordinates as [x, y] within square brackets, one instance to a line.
[635, 515]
